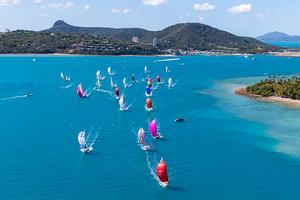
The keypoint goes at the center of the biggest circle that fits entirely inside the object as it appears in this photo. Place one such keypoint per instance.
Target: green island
(277, 86)
(278, 89)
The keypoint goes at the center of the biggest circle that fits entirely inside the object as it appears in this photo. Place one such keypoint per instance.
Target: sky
(241, 17)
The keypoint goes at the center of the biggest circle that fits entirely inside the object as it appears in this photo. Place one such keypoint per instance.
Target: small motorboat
(179, 120)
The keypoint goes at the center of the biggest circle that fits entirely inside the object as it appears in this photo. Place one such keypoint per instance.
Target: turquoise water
(229, 147)
(286, 44)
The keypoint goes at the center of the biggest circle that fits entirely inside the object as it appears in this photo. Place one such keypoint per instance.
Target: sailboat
(170, 83)
(153, 129)
(149, 82)
(162, 173)
(167, 69)
(133, 78)
(125, 84)
(146, 70)
(117, 92)
(99, 77)
(158, 80)
(122, 104)
(148, 91)
(81, 92)
(109, 71)
(64, 77)
(141, 140)
(98, 84)
(84, 148)
(148, 106)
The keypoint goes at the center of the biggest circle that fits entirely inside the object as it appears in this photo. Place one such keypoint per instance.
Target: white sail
(109, 71)
(125, 82)
(167, 69)
(81, 138)
(62, 76)
(121, 103)
(98, 75)
(170, 82)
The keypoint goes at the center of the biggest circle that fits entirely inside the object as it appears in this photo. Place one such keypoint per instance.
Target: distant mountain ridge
(278, 37)
(186, 36)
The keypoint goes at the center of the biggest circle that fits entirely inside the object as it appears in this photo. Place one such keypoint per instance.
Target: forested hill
(185, 36)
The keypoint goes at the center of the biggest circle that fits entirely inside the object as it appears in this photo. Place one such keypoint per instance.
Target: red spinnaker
(161, 171)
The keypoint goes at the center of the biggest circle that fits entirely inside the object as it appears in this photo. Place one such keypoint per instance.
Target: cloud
(86, 7)
(241, 9)
(154, 2)
(122, 11)
(37, 1)
(9, 2)
(63, 6)
(203, 7)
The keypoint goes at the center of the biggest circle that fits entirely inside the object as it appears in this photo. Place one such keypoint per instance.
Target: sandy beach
(273, 99)
(287, 54)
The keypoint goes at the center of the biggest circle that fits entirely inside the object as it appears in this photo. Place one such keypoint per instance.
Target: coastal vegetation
(181, 39)
(188, 37)
(23, 42)
(286, 87)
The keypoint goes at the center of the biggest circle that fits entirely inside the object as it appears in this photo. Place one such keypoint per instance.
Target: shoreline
(83, 55)
(293, 54)
(277, 54)
(128, 55)
(272, 99)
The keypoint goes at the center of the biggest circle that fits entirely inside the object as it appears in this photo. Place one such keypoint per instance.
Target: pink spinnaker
(153, 128)
(80, 91)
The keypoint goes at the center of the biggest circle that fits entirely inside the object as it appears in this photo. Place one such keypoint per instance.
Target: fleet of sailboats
(161, 168)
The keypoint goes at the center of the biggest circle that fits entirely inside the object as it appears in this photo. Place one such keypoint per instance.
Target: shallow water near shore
(229, 147)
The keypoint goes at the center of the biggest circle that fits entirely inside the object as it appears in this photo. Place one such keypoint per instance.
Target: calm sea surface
(229, 147)
(286, 44)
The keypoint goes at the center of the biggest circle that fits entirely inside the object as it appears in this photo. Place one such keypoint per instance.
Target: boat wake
(152, 168)
(93, 136)
(127, 108)
(167, 60)
(14, 97)
(88, 92)
(67, 86)
(104, 91)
